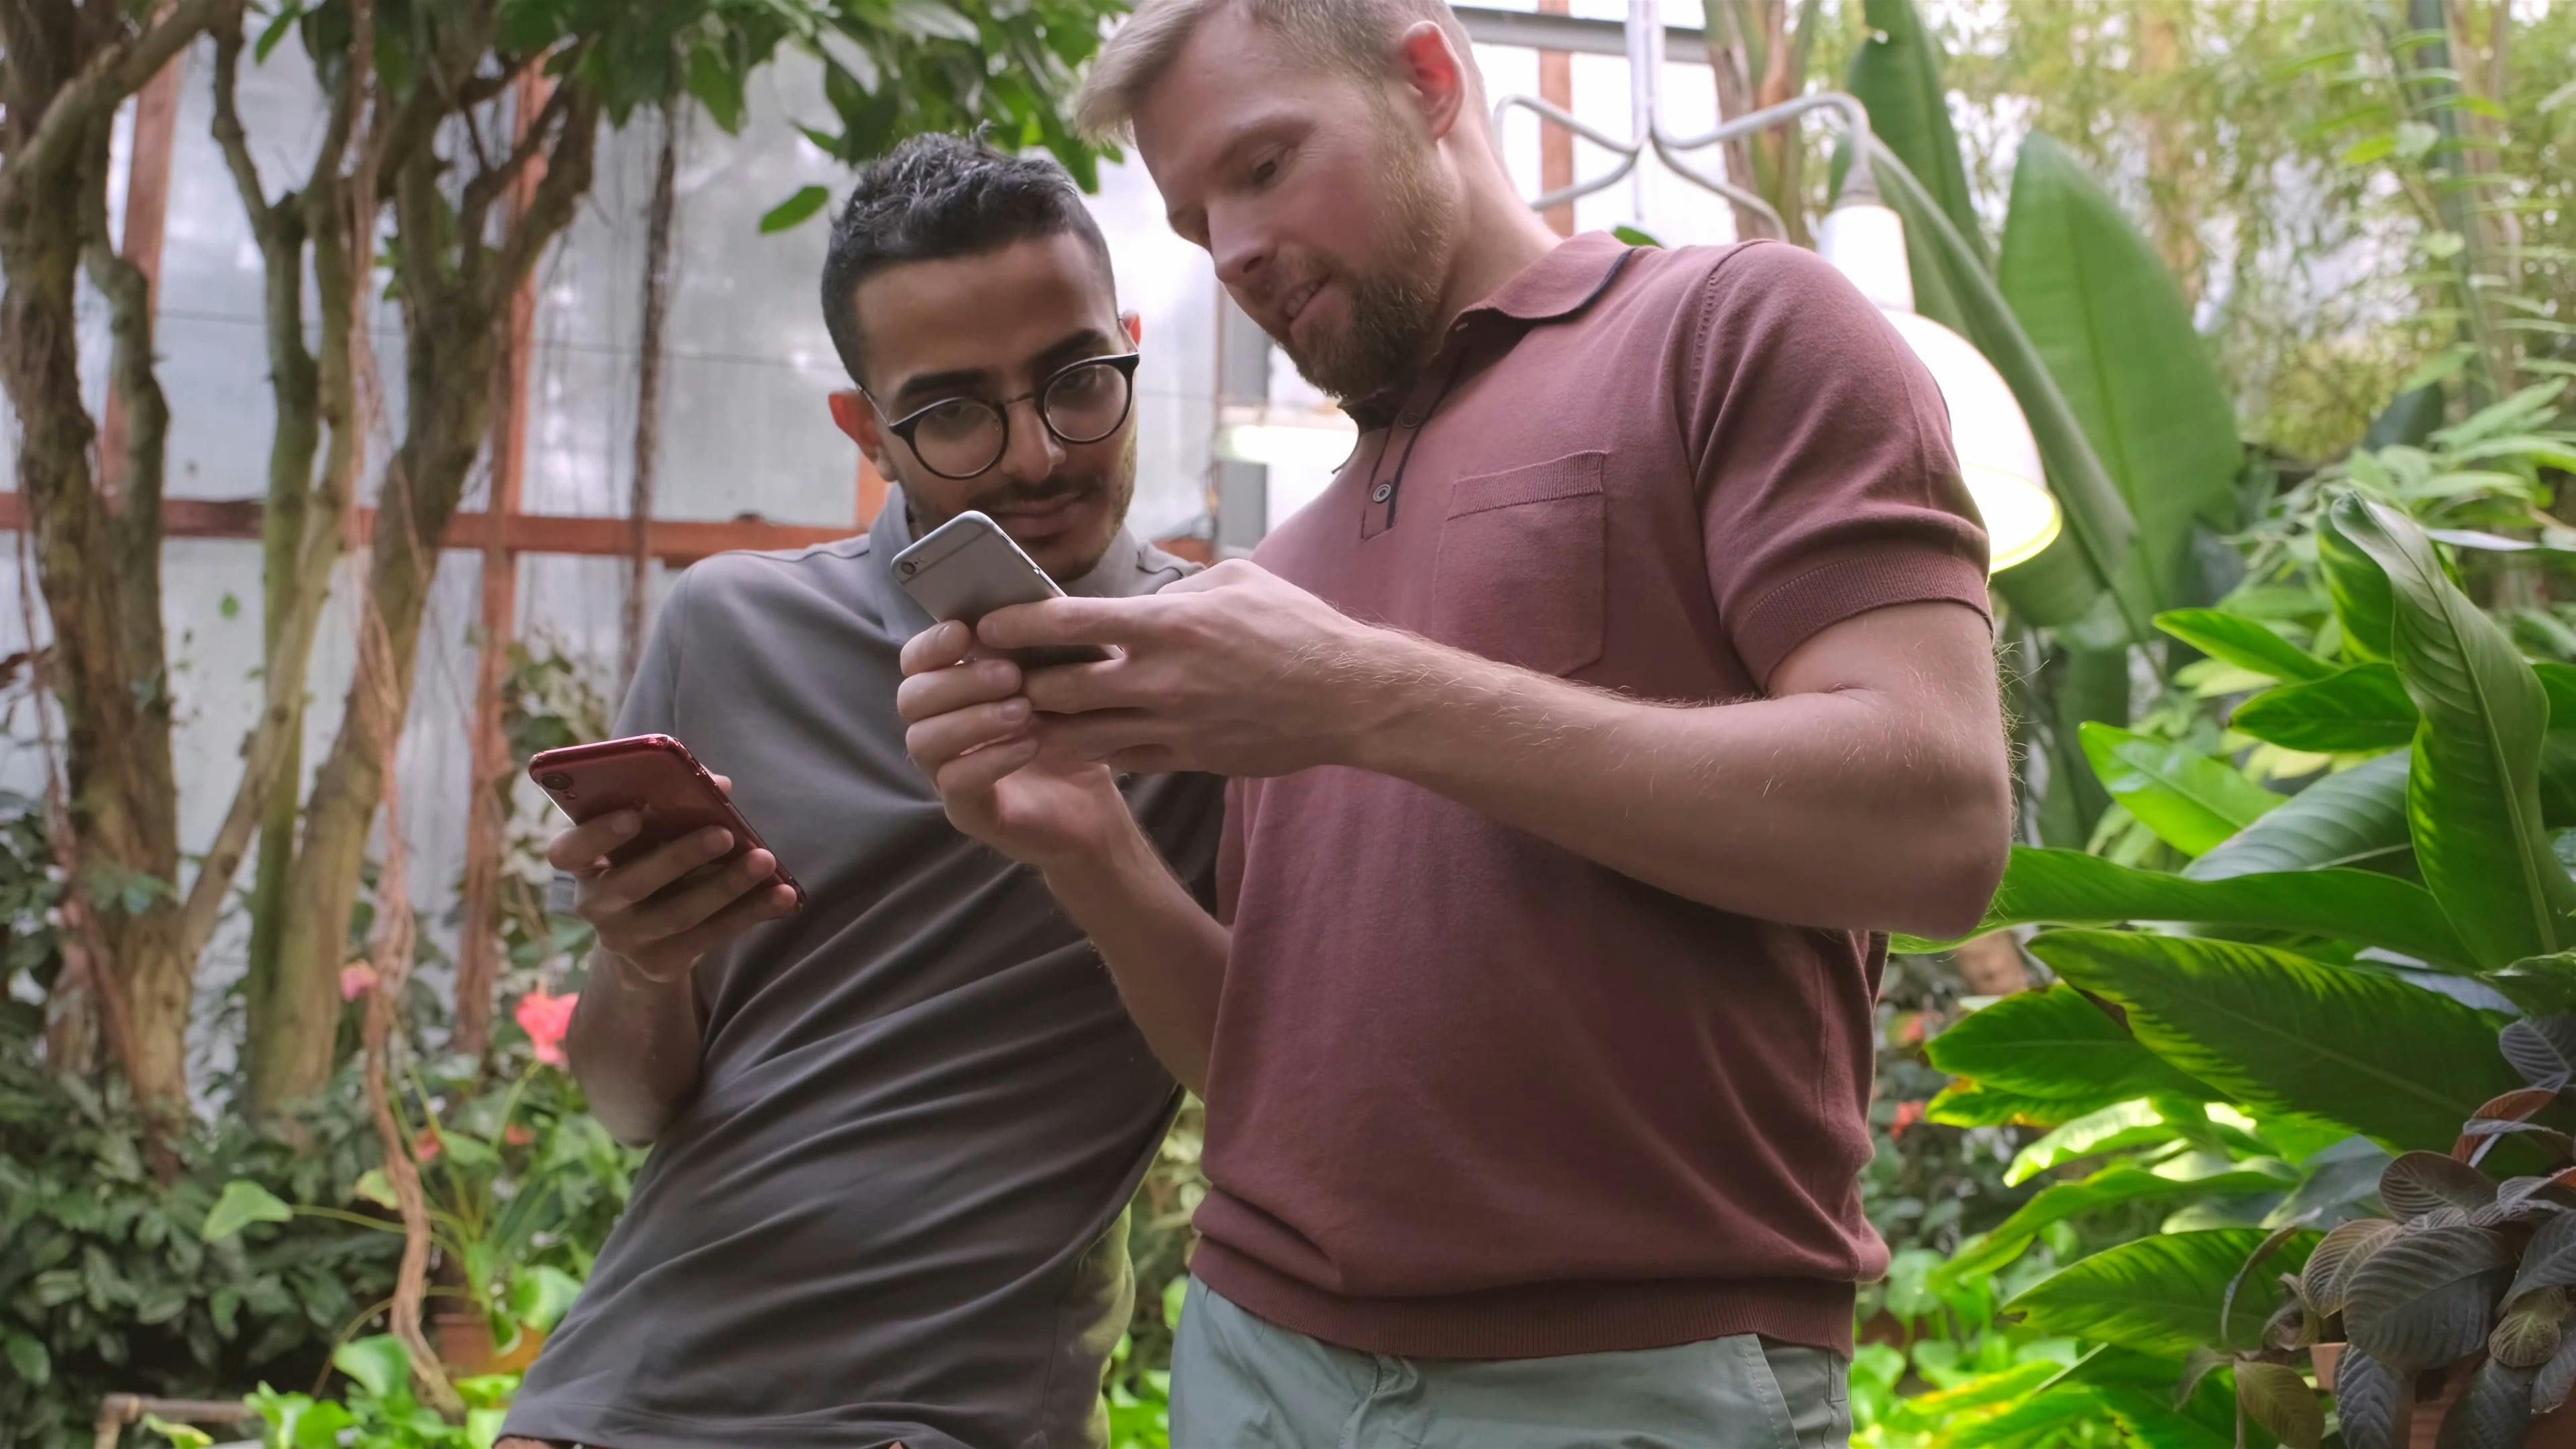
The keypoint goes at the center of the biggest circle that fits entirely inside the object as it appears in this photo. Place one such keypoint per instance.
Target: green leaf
(2353, 819)
(2063, 582)
(542, 1295)
(2415, 138)
(1634, 237)
(933, 21)
(2111, 1187)
(2053, 1043)
(2070, 888)
(795, 209)
(276, 29)
(2364, 708)
(2473, 795)
(230, 608)
(2278, 1033)
(2540, 985)
(2115, 332)
(2439, 367)
(181, 1436)
(2159, 1295)
(2189, 800)
(2370, 148)
(2246, 643)
(373, 1186)
(1896, 73)
(1970, 1104)
(2115, 1128)
(718, 85)
(379, 1363)
(28, 1357)
(2359, 589)
(243, 1203)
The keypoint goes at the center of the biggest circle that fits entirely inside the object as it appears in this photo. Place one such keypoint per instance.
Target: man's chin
(1067, 540)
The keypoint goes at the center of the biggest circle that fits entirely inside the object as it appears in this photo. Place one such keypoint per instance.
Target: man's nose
(1033, 454)
(1242, 257)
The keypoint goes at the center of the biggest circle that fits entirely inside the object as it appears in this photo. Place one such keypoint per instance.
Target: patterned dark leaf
(2556, 1378)
(2549, 1259)
(2291, 1326)
(2524, 1198)
(2282, 1402)
(2199, 1365)
(2527, 1335)
(2427, 1298)
(2372, 1400)
(2492, 1413)
(2423, 1182)
(2542, 1048)
(2329, 1269)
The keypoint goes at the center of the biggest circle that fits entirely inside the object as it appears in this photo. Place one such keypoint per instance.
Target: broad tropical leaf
(2356, 818)
(2279, 1033)
(2060, 585)
(2419, 1182)
(2054, 1044)
(2355, 710)
(2116, 1128)
(1896, 73)
(2494, 1411)
(2473, 796)
(2192, 802)
(2159, 1295)
(2549, 1260)
(2112, 325)
(2282, 1402)
(1974, 1104)
(2110, 1187)
(2330, 1267)
(2540, 985)
(2070, 888)
(2428, 1297)
(2372, 1400)
(379, 1362)
(2243, 642)
(2549, 1390)
(243, 1203)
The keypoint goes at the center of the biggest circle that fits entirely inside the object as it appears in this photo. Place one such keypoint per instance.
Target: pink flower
(424, 1148)
(356, 980)
(517, 1134)
(545, 1019)
(1907, 1114)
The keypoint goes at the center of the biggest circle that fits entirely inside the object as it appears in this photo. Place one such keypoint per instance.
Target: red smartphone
(656, 776)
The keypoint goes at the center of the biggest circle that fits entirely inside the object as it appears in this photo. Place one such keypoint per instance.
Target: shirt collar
(1565, 281)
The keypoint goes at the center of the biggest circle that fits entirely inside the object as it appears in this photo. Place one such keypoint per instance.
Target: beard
(1394, 322)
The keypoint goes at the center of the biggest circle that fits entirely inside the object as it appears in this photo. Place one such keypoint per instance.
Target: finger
(733, 920)
(1143, 760)
(934, 742)
(723, 782)
(923, 696)
(1099, 735)
(1230, 573)
(936, 647)
(576, 848)
(1077, 688)
(1070, 621)
(678, 912)
(966, 780)
(632, 884)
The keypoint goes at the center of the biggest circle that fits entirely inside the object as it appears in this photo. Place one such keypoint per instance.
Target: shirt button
(1411, 419)
(1382, 492)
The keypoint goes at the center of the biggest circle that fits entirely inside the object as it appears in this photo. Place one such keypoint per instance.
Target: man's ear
(854, 417)
(1133, 324)
(1437, 76)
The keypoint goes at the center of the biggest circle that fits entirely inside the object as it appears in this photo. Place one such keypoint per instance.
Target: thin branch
(115, 72)
(566, 181)
(235, 143)
(495, 182)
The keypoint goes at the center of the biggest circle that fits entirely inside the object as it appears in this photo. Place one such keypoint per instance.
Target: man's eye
(1263, 173)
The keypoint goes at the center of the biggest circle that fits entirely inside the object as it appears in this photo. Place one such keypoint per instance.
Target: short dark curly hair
(939, 196)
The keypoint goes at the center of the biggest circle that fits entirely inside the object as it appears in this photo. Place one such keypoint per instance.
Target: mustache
(1036, 495)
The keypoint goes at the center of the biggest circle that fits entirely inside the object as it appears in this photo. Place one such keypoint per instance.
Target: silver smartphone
(968, 567)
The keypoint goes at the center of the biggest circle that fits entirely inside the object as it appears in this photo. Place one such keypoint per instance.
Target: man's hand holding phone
(973, 733)
(664, 910)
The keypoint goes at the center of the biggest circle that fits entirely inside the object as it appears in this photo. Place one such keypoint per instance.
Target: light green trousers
(1239, 1382)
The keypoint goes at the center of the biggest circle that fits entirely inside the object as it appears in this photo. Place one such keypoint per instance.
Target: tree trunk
(658, 223)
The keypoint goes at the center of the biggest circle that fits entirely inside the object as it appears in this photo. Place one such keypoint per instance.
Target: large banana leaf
(2060, 585)
(2279, 1033)
(2071, 888)
(2473, 795)
(1896, 73)
(2356, 818)
(2163, 1295)
(2189, 1180)
(2112, 326)
(2243, 642)
(2055, 1044)
(2359, 588)
(2192, 802)
(2354, 711)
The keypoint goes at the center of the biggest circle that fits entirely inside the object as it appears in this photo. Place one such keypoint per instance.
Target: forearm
(1166, 953)
(634, 1046)
(1840, 810)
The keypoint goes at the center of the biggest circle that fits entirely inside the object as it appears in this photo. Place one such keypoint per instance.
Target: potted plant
(503, 1170)
(2447, 1322)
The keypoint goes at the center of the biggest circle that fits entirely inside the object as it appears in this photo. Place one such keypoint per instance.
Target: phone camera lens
(908, 568)
(558, 782)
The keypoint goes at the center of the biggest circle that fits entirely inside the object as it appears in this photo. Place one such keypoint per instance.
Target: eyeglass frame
(1123, 362)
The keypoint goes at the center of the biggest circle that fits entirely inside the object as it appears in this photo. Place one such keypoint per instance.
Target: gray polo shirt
(893, 1210)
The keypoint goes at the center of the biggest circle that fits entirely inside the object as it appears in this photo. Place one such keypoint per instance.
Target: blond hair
(1354, 37)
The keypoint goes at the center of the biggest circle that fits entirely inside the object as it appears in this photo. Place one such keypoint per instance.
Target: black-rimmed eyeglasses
(963, 437)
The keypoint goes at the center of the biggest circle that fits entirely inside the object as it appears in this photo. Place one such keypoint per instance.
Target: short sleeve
(1821, 445)
(652, 703)
(1229, 855)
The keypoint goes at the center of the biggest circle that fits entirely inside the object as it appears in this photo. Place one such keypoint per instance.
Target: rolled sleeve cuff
(1826, 595)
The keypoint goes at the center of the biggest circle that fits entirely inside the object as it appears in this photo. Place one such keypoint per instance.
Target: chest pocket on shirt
(1522, 554)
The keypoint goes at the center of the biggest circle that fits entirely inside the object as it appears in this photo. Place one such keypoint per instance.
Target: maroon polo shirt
(1473, 1095)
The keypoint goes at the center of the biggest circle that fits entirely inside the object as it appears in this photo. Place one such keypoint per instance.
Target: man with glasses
(893, 1131)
